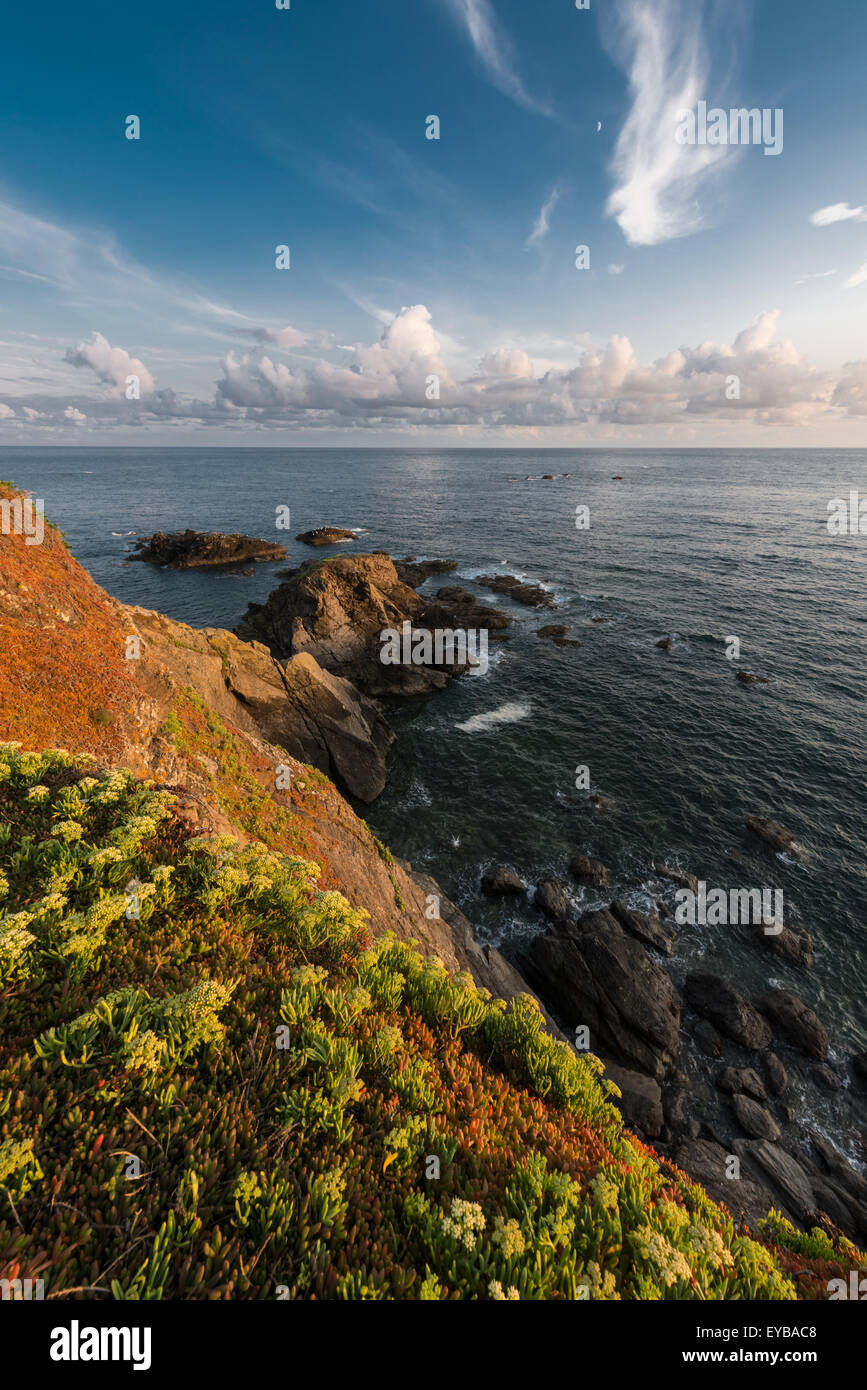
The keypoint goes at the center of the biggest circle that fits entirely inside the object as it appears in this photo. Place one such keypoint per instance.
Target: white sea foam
(506, 714)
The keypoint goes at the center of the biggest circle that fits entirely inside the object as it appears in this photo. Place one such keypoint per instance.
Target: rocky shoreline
(711, 1079)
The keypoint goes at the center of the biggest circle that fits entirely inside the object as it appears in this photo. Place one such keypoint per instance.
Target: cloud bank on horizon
(558, 137)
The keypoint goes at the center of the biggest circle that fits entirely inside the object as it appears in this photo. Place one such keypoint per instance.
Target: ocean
(699, 545)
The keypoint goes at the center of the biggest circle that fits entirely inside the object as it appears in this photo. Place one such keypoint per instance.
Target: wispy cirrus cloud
(496, 52)
(837, 212)
(662, 46)
(857, 278)
(542, 224)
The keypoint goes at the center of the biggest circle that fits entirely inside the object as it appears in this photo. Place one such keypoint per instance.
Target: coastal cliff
(294, 1035)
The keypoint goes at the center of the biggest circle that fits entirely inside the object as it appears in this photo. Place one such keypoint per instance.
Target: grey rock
(593, 973)
(742, 1081)
(754, 1120)
(641, 1099)
(715, 999)
(778, 1077)
(552, 899)
(501, 881)
(645, 928)
(796, 1021)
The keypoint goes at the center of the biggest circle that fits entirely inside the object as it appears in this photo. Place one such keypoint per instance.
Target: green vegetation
(213, 1084)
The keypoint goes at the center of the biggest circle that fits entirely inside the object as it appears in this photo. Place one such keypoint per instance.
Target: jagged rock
(792, 944)
(772, 834)
(826, 1078)
(339, 609)
(842, 1172)
(593, 973)
(645, 928)
(553, 899)
(414, 572)
(588, 870)
(782, 1171)
(489, 968)
(325, 535)
(707, 1162)
(754, 1120)
(796, 1021)
(859, 1067)
(500, 881)
(683, 880)
(715, 999)
(742, 1081)
(778, 1077)
(453, 593)
(533, 595)
(707, 1038)
(557, 633)
(641, 1099)
(184, 550)
(335, 728)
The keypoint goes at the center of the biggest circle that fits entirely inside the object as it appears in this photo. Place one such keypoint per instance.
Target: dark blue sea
(699, 545)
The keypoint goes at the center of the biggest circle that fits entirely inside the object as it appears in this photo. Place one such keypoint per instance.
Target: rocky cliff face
(215, 717)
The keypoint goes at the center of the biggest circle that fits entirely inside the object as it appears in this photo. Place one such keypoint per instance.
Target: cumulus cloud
(393, 372)
(6, 411)
(837, 212)
(542, 224)
(850, 393)
(507, 362)
(403, 381)
(387, 381)
(661, 45)
(112, 365)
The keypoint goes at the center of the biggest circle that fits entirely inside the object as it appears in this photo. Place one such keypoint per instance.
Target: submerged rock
(325, 535)
(501, 881)
(588, 870)
(749, 678)
(533, 595)
(414, 572)
(184, 550)
(772, 834)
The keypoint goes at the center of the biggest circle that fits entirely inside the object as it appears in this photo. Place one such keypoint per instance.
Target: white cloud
(837, 212)
(616, 269)
(495, 51)
(112, 365)
(858, 278)
(6, 411)
(385, 385)
(660, 43)
(851, 391)
(506, 362)
(542, 224)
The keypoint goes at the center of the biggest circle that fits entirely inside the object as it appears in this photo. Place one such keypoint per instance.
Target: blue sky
(414, 260)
